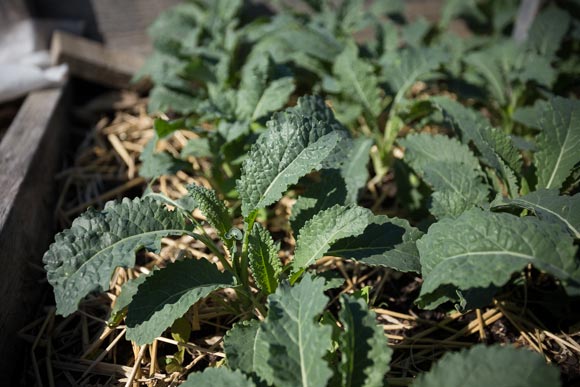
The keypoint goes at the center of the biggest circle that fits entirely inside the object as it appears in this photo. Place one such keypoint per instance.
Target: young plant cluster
(492, 194)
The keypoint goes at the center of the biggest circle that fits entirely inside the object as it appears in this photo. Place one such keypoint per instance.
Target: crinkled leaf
(295, 143)
(457, 188)
(487, 65)
(354, 169)
(168, 293)
(422, 150)
(325, 228)
(83, 258)
(264, 261)
(558, 142)
(357, 78)
(473, 126)
(530, 115)
(482, 366)
(365, 354)
(274, 97)
(496, 147)
(466, 122)
(481, 248)
(319, 196)
(155, 164)
(547, 31)
(239, 346)
(257, 95)
(213, 377)
(539, 70)
(293, 344)
(388, 242)
(401, 69)
(350, 157)
(502, 155)
(212, 208)
(548, 205)
(450, 168)
(163, 99)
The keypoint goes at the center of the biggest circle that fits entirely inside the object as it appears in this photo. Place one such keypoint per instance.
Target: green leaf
(350, 157)
(197, 147)
(212, 208)
(549, 206)
(158, 164)
(293, 343)
(128, 290)
(325, 228)
(164, 128)
(414, 33)
(239, 346)
(357, 79)
(486, 64)
(466, 122)
(213, 377)
(422, 150)
(83, 258)
(503, 156)
(257, 96)
(164, 99)
(457, 8)
(547, 31)
(365, 354)
(354, 168)
(295, 144)
(319, 196)
(482, 366)
(264, 261)
(401, 69)
(457, 188)
(450, 168)
(496, 147)
(558, 142)
(388, 242)
(168, 293)
(530, 115)
(274, 97)
(480, 248)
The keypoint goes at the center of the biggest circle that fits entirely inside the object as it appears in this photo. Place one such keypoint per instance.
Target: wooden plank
(30, 155)
(93, 61)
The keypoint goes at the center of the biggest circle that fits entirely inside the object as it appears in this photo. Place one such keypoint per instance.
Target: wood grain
(95, 62)
(30, 154)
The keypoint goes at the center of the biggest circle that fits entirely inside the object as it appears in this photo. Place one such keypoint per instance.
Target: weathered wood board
(30, 154)
(94, 61)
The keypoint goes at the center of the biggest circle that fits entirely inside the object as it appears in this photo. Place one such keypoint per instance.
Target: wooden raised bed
(30, 154)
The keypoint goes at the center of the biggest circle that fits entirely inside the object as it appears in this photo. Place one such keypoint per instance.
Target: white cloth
(25, 62)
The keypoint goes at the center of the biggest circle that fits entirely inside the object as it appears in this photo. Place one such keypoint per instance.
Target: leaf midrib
(177, 295)
(127, 240)
(564, 220)
(282, 173)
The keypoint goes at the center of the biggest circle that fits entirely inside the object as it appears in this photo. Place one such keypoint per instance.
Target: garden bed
(442, 167)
